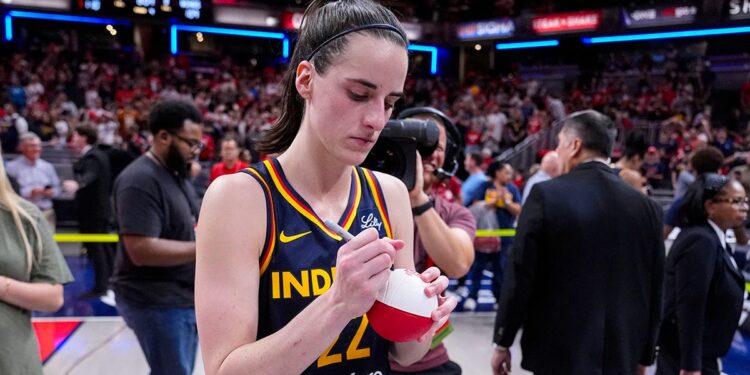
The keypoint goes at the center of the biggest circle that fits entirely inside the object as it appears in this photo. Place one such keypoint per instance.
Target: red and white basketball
(402, 312)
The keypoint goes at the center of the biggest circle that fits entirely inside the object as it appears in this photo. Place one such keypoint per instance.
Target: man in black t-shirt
(156, 210)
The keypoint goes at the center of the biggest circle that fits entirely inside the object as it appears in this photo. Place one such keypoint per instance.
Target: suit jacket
(703, 298)
(94, 176)
(585, 276)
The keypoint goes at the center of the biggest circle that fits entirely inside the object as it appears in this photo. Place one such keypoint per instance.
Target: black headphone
(454, 145)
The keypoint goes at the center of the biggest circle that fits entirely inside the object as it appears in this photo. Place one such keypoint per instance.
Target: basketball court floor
(87, 337)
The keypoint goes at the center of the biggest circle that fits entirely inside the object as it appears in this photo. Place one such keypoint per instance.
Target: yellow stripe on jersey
(355, 206)
(308, 213)
(378, 197)
(267, 253)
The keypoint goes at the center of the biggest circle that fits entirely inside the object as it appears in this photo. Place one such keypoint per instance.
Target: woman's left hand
(437, 286)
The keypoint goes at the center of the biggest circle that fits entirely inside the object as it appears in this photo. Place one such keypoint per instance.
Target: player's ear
(303, 82)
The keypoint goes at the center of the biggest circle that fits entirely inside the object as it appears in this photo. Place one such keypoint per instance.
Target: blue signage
(502, 28)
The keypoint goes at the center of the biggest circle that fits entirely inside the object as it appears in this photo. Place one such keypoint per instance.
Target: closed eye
(357, 97)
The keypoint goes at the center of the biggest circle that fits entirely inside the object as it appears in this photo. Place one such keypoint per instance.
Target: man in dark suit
(93, 189)
(587, 266)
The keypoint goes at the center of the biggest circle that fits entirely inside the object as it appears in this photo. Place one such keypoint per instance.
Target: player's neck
(315, 175)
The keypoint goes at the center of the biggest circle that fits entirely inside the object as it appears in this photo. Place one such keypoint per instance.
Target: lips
(363, 142)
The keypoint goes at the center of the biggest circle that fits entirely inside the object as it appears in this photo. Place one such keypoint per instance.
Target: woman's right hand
(363, 266)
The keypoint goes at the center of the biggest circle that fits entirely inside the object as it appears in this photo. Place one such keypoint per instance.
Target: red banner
(565, 22)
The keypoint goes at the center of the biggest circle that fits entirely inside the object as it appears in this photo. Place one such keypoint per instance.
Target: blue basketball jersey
(298, 263)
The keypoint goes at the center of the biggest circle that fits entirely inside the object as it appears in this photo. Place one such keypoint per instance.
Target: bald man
(550, 168)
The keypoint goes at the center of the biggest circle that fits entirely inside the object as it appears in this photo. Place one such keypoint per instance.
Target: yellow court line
(76, 237)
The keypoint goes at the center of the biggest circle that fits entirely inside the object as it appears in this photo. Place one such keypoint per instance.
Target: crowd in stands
(662, 107)
(55, 89)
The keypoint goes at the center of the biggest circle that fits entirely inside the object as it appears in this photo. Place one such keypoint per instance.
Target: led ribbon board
(228, 31)
(522, 45)
(666, 35)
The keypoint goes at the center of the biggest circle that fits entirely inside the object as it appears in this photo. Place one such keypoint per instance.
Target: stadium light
(433, 54)
(666, 35)
(521, 45)
(54, 17)
(227, 31)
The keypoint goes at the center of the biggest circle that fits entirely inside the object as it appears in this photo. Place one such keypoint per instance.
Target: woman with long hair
(704, 288)
(32, 271)
(277, 291)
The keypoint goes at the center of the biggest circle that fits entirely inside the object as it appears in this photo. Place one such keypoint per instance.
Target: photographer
(444, 231)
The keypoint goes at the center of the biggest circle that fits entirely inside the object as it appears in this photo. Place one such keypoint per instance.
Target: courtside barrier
(113, 237)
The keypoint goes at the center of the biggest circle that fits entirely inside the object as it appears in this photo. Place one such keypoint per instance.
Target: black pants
(668, 363)
(448, 368)
(481, 262)
(101, 255)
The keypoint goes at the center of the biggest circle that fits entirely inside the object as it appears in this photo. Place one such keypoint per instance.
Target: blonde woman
(32, 272)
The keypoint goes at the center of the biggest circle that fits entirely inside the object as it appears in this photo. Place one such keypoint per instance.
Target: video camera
(394, 152)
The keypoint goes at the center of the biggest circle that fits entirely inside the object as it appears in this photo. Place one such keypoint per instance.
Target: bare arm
(513, 207)
(31, 296)
(231, 234)
(450, 248)
(158, 252)
(397, 200)
(43, 291)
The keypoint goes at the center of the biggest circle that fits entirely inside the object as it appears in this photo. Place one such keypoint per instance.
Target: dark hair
(477, 157)
(692, 211)
(230, 139)
(635, 145)
(596, 131)
(495, 166)
(89, 133)
(707, 160)
(321, 21)
(170, 115)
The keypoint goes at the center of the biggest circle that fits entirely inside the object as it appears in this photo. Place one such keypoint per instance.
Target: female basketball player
(277, 292)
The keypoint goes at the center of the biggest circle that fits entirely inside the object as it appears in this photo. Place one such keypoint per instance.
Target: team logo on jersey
(370, 221)
(287, 239)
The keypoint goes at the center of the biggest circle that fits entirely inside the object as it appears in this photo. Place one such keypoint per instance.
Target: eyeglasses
(736, 201)
(194, 145)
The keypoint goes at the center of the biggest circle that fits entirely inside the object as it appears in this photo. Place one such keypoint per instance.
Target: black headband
(383, 26)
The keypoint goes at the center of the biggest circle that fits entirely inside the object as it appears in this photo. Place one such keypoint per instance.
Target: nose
(374, 117)
(431, 157)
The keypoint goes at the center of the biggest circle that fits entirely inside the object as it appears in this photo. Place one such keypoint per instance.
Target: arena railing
(523, 155)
